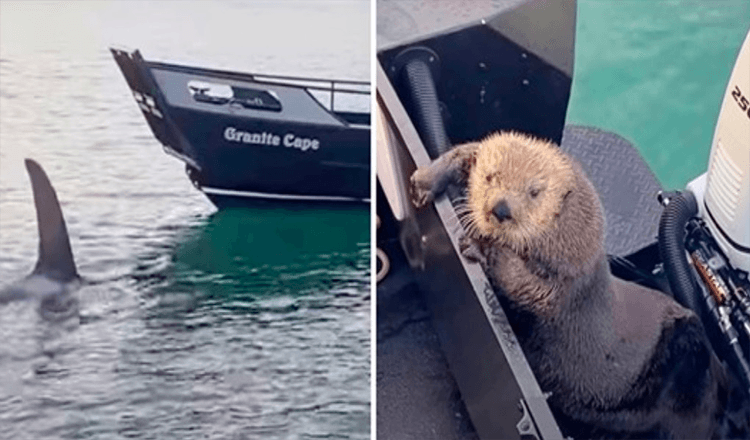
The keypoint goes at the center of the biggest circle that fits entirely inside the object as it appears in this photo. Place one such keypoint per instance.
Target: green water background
(655, 72)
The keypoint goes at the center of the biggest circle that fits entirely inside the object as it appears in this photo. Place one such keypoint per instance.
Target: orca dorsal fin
(55, 256)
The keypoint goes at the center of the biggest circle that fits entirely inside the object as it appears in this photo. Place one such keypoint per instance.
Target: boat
(449, 74)
(252, 139)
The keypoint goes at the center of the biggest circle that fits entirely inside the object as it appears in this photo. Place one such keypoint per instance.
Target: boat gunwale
(240, 76)
(261, 77)
(314, 125)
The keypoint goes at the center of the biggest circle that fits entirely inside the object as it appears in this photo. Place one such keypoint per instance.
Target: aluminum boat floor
(626, 186)
(417, 396)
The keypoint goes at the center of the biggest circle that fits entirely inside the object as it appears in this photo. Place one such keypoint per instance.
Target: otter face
(516, 189)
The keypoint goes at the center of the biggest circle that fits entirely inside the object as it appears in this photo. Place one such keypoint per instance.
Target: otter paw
(469, 250)
(504, 257)
(421, 187)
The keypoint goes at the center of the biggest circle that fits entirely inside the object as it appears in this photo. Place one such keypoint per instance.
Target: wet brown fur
(614, 354)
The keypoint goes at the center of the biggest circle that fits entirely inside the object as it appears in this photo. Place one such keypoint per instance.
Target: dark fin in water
(55, 257)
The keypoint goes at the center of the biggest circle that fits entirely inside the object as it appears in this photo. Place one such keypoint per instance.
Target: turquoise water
(655, 72)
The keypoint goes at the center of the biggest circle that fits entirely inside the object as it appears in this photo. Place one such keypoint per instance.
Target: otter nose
(501, 211)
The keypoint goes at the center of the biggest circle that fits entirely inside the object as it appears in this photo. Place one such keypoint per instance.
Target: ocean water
(193, 323)
(655, 72)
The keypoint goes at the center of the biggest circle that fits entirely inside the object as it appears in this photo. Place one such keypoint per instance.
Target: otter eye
(536, 188)
(489, 178)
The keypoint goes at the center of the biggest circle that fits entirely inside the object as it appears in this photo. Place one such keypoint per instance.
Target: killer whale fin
(55, 256)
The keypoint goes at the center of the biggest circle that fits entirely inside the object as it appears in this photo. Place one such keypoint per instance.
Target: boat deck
(417, 396)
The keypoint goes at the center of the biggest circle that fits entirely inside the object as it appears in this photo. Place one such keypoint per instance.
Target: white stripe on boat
(172, 152)
(231, 192)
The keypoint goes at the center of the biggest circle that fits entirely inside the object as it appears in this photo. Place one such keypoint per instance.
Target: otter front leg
(521, 285)
(471, 251)
(451, 167)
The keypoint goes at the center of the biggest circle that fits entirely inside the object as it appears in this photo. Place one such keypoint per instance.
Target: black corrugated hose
(680, 208)
(678, 211)
(425, 107)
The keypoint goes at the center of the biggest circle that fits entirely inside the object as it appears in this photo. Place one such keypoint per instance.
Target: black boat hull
(252, 140)
(335, 171)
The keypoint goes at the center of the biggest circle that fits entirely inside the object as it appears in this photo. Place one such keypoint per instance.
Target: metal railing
(331, 87)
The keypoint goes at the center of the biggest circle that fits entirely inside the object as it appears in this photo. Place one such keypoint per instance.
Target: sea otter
(619, 359)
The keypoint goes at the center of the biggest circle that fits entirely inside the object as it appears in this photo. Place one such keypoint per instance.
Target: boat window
(352, 99)
(208, 92)
(256, 99)
(220, 94)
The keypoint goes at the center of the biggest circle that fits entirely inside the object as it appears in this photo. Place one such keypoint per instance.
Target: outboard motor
(704, 232)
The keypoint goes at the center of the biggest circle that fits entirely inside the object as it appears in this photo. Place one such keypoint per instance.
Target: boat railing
(344, 97)
(346, 93)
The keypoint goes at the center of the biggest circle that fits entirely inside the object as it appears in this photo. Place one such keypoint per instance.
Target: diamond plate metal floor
(626, 186)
